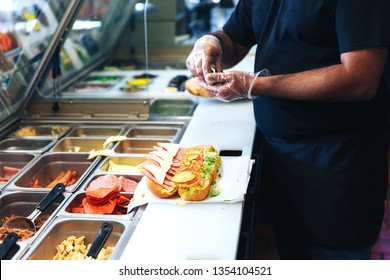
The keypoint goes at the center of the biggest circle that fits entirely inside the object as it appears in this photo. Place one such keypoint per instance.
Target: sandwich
(186, 172)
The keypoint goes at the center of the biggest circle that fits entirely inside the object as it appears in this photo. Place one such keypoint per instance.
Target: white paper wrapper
(232, 184)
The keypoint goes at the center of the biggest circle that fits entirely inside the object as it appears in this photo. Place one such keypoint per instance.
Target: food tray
(121, 162)
(175, 107)
(78, 145)
(24, 203)
(19, 161)
(55, 131)
(153, 132)
(138, 145)
(77, 198)
(24, 145)
(87, 131)
(61, 228)
(50, 165)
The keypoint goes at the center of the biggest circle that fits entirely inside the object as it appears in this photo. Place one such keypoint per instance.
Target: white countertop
(198, 231)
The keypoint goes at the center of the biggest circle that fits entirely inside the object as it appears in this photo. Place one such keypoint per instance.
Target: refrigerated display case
(63, 95)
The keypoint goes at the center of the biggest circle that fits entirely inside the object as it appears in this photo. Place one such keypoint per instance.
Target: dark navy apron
(329, 192)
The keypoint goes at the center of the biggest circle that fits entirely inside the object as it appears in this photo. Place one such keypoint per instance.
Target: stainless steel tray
(95, 130)
(26, 145)
(61, 228)
(78, 144)
(23, 204)
(169, 107)
(47, 167)
(138, 145)
(76, 199)
(121, 163)
(161, 132)
(41, 130)
(20, 161)
(171, 129)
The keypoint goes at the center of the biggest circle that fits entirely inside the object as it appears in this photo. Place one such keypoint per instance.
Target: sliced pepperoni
(102, 195)
(78, 210)
(122, 201)
(106, 208)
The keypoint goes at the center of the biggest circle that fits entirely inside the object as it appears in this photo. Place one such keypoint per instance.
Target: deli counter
(65, 102)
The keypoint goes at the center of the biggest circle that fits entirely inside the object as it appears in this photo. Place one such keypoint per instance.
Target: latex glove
(232, 85)
(205, 57)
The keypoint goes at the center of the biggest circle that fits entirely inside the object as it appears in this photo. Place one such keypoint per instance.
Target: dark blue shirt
(298, 35)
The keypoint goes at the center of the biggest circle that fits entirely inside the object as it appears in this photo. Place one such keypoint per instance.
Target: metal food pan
(87, 131)
(138, 145)
(19, 161)
(78, 145)
(152, 132)
(122, 163)
(45, 248)
(76, 201)
(56, 131)
(50, 166)
(181, 107)
(24, 145)
(24, 203)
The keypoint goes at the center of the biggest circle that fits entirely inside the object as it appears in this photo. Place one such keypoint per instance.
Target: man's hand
(205, 57)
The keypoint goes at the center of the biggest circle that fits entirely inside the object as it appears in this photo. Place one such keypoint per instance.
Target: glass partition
(96, 29)
(27, 29)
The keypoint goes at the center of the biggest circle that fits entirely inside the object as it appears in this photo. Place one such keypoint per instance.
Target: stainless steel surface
(86, 131)
(50, 165)
(61, 228)
(138, 145)
(78, 145)
(24, 145)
